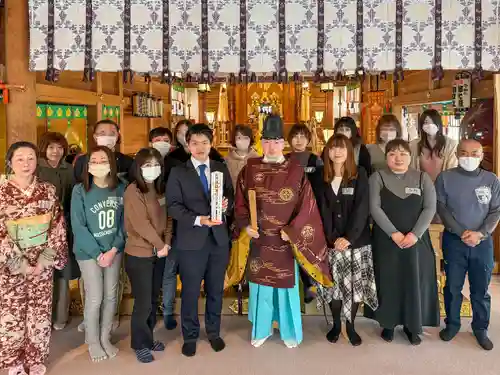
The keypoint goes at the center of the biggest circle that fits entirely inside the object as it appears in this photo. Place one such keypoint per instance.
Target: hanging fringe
(437, 73)
(478, 74)
(397, 75)
(166, 77)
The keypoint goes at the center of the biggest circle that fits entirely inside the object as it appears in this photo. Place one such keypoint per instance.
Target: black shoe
(158, 346)
(413, 338)
(483, 340)
(189, 349)
(217, 344)
(387, 334)
(309, 295)
(353, 336)
(448, 333)
(334, 334)
(170, 322)
(144, 355)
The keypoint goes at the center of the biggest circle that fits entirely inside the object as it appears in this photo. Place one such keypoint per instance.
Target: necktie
(203, 178)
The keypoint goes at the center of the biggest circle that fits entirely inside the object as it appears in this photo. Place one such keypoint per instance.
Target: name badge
(348, 191)
(310, 169)
(162, 201)
(415, 191)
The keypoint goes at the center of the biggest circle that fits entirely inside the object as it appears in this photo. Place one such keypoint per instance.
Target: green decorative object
(110, 112)
(178, 88)
(59, 111)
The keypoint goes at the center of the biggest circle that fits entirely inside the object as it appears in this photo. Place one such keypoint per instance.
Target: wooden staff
(252, 199)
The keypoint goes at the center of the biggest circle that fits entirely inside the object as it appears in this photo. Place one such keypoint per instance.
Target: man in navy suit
(202, 245)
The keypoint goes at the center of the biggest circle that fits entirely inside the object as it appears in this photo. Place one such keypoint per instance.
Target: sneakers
(217, 344)
(170, 322)
(483, 340)
(144, 355)
(449, 333)
(189, 349)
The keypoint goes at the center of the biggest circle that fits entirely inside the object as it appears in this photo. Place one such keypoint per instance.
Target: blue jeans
(169, 283)
(460, 259)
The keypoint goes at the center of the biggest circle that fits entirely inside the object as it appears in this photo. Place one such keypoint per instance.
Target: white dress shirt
(196, 164)
(336, 182)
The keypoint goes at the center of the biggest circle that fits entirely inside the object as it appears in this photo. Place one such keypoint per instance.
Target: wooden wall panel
(240, 105)
(21, 111)
(3, 137)
(136, 130)
(418, 88)
(208, 102)
(67, 79)
(319, 102)
(2, 36)
(110, 83)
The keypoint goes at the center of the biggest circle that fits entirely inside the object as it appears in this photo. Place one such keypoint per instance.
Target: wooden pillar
(496, 155)
(3, 121)
(151, 123)
(329, 118)
(21, 111)
(241, 115)
(122, 111)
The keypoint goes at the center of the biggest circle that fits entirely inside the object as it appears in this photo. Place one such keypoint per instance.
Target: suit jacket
(346, 213)
(186, 200)
(180, 156)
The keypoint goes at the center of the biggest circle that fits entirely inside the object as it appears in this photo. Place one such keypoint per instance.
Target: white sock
(290, 344)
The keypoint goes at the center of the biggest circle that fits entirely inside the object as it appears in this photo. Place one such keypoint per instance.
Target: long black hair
(348, 122)
(13, 148)
(440, 138)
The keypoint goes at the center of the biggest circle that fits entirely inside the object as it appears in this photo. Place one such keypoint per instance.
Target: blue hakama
(282, 305)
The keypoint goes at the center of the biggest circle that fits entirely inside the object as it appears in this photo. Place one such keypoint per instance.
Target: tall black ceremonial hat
(272, 128)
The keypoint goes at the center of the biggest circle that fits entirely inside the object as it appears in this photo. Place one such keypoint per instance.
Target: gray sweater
(402, 186)
(468, 200)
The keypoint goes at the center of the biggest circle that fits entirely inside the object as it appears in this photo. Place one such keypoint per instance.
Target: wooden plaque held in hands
(216, 184)
(252, 200)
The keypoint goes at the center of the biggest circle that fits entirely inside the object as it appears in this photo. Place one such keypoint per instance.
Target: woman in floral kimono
(32, 243)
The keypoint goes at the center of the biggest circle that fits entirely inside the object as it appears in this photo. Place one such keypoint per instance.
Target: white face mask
(151, 173)
(388, 135)
(99, 170)
(162, 147)
(468, 163)
(242, 144)
(108, 141)
(430, 129)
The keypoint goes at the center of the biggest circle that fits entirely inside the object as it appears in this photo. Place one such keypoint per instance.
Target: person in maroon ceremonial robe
(289, 234)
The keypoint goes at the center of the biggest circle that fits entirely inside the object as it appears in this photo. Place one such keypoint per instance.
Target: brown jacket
(146, 222)
(235, 163)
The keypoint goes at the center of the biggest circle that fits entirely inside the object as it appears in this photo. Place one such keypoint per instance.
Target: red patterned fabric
(26, 300)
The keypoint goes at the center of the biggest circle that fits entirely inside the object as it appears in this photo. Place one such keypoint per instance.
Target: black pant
(209, 264)
(146, 276)
(478, 263)
(306, 279)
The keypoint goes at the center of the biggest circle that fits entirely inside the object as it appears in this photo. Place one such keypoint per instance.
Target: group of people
(351, 226)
